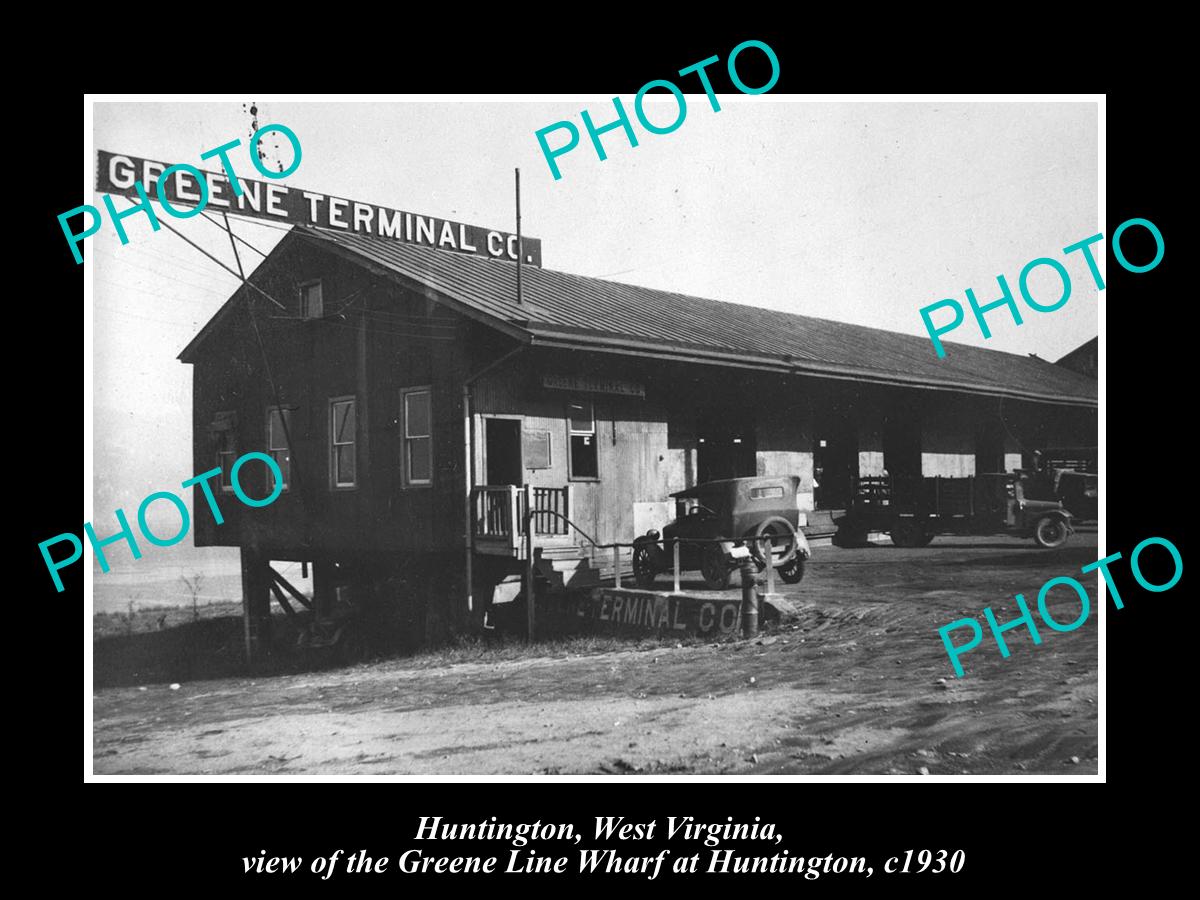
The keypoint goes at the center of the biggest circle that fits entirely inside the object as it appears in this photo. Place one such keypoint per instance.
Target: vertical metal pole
(530, 522)
(470, 502)
(770, 558)
(529, 599)
(520, 248)
(749, 600)
(616, 566)
(676, 565)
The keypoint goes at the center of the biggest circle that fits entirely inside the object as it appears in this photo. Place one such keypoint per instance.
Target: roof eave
(440, 296)
(189, 353)
(605, 344)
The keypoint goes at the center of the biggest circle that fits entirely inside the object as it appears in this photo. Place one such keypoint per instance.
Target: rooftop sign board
(118, 173)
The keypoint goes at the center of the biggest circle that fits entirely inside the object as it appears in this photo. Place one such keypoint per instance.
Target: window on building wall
(418, 436)
(342, 457)
(224, 433)
(581, 423)
(311, 301)
(279, 427)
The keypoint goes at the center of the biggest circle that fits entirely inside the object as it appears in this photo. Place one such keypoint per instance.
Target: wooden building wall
(387, 339)
(638, 464)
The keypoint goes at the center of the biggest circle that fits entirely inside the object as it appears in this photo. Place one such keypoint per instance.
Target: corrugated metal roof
(561, 308)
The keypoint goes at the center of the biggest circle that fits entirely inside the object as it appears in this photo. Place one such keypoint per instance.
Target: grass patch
(507, 648)
(138, 619)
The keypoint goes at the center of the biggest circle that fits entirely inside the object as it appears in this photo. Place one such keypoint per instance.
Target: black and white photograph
(687, 435)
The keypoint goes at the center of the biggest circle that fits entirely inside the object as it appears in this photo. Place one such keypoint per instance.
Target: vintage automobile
(1079, 492)
(716, 518)
(1073, 471)
(915, 509)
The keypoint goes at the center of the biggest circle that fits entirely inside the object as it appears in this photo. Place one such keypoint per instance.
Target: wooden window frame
(333, 473)
(549, 450)
(571, 432)
(226, 480)
(304, 313)
(406, 479)
(283, 410)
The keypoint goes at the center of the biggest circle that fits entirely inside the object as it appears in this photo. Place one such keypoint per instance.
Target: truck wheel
(714, 568)
(793, 571)
(1050, 532)
(851, 536)
(907, 533)
(644, 570)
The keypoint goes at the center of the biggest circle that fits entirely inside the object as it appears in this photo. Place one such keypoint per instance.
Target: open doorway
(902, 445)
(835, 463)
(989, 447)
(725, 450)
(502, 451)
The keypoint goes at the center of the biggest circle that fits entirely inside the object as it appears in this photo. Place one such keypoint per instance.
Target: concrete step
(825, 516)
(570, 552)
(820, 523)
(564, 573)
(563, 564)
(583, 577)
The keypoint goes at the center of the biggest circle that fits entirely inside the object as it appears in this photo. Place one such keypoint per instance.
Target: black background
(1018, 835)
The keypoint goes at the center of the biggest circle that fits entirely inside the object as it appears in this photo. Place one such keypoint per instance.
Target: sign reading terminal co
(119, 173)
(620, 609)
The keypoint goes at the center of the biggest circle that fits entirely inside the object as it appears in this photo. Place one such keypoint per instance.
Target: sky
(858, 212)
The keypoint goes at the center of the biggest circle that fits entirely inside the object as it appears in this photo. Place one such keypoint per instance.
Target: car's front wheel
(714, 568)
(794, 570)
(1050, 532)
(644, 570)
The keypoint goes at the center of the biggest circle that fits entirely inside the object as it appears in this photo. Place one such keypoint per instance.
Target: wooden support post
(324, 588)
(287, 607)
(283, 582)
(676, 551)
(247, 558)
(514, 518)
(256, 603)
(770, 559)
(616, 566)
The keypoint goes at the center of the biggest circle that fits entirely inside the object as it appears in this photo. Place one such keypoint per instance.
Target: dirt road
(859, 684)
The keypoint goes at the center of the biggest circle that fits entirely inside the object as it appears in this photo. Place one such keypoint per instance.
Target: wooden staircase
(566, 567)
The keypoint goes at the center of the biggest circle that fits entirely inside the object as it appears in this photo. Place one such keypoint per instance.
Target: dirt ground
(859, 683)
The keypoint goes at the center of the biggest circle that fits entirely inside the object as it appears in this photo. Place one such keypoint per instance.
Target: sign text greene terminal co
(184, 190)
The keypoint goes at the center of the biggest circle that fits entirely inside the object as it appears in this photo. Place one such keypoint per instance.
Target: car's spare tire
(782, 535)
